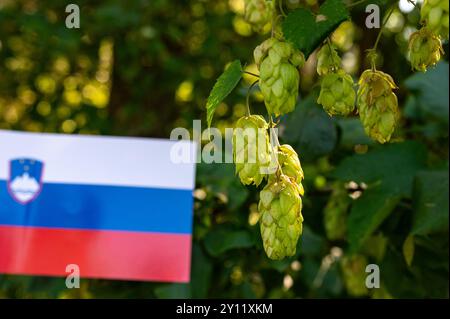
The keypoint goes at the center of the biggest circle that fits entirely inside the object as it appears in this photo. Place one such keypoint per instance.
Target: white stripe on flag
(99, 160)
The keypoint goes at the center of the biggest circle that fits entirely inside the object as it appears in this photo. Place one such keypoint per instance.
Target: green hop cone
(337, 94)
(281, 220)
(290, 166)
(354, 274)
(335, 213)
(258, 13)
(279, 77)
(377, 105)
(328, 60)
(425, 49)
(251, 149)
(434, 14)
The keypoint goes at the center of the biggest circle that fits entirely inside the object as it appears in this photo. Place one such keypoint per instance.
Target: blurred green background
(142, 68)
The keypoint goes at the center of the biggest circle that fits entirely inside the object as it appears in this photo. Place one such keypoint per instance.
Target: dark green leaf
(300, 26)
(352, 133)
(222, 239)
(394, 165)
(431, 89)
(173, 291)
(223, 86)
(310, 129)
(431, 208)
(368, 212)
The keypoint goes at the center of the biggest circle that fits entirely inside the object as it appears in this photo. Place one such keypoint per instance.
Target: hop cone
(434, 14)
(280, 206)
(335, 213)
(354, 274)
(251, 149)
(290, 166)
(279, 77)
(377, 105)
(425, 49)
(258, 13)
(327, 60)
(337, 95)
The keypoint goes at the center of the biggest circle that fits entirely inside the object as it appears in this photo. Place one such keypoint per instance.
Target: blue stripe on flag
(101, 208)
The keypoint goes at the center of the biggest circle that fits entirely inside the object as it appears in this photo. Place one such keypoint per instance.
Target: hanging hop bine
(435, 15)
(258, 13)
(251, 149)
(425, 49)
(278, 63)
(280, 206)
(377, 104)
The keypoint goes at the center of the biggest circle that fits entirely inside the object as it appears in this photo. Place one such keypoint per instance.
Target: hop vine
(259, 158)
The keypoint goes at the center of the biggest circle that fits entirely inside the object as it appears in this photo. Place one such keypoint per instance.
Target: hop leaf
(425, 49)
(251, 149)
(280, 206)
(377, 105)
(435, 15)
(279, 77)
(337, 95)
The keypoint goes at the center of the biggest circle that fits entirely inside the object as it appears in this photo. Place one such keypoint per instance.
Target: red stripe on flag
(99, 254)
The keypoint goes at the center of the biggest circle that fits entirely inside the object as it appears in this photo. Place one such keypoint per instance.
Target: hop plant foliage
(337, 94)
(259, 14)
(335, 212)
(435, 15)
(279, 77)
(328, 60)
(354, 273)
(280, 207)
(425, 49)
(377, 104)
(251, 149)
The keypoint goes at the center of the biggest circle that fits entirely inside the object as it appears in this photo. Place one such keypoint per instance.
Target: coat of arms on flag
(25, 179)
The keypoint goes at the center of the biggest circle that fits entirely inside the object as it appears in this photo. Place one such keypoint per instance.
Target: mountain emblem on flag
(25, 179)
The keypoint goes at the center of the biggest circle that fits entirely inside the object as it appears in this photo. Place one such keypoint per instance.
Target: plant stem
(248, 97)
(250, 73)
(372, 52)
(382, 28)
(280, 6)
(335, 65)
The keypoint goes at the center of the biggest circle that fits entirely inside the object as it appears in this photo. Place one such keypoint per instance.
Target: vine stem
(248, 97)
(413, 3)
(335, 66)
(374, 48)
(280, 6)
(250, 73)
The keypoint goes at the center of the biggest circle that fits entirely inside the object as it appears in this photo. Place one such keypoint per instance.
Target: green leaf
(173, 291)
(223, 239)
(223, 86)
(201, 273)
(310, 129)
(368, 212)
(221, 178)
(431, 90)
(307, 32)
(408, 249)
(393, 165)
(352, 133)
(431, 202)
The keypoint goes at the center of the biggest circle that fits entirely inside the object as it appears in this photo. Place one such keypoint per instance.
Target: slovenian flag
(119, 208)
